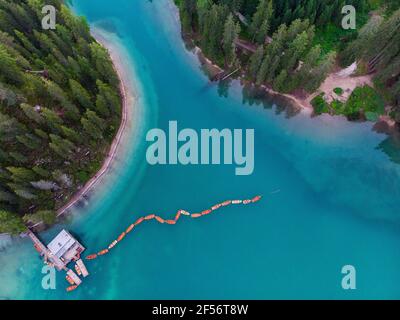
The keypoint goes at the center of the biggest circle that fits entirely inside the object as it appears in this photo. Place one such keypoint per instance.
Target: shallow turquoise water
(338, 201)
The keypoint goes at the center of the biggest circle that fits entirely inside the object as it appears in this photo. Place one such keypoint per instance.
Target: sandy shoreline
(116, 142)
(304, 103)
(126, 95)
(300, 103)
(214, 69)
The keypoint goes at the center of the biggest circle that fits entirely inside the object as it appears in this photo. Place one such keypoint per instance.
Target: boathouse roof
(61, 243)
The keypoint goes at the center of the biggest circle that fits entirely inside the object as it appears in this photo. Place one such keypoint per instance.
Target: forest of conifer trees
(299, 42)
(60, 108)
(60, 104)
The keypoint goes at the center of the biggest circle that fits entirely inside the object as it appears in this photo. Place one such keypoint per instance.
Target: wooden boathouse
(61, 251)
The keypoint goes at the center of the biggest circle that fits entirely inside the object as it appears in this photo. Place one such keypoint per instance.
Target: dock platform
(61, 251)
(74, 277)
(46, 253)
(82, 267)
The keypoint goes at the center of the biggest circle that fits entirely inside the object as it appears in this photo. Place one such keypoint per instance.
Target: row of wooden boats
(169, 221)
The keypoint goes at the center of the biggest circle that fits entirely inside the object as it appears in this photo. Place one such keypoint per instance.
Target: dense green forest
(295, 44)
(60, 107)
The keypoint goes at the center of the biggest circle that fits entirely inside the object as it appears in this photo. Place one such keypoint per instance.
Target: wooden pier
(62, 250)
(49, 258)
(223, 75)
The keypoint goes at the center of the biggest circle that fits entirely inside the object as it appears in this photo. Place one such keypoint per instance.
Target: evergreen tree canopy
(51, 83)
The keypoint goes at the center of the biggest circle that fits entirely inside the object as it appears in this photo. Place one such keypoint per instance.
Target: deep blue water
(338, 201)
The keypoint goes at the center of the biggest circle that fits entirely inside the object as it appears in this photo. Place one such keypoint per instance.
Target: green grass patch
(366, 100)
(338, 91)
(319, 104)
(332, 38)
(338, 106)
(363, 101)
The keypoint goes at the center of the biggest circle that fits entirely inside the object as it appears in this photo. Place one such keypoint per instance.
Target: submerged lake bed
(330, 195)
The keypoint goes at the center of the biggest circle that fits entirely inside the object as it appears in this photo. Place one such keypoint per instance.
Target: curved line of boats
(73, 286)
(169, 222)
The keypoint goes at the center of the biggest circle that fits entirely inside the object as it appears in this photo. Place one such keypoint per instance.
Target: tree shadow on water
(253, 95)
(391, 145)
(223, 88)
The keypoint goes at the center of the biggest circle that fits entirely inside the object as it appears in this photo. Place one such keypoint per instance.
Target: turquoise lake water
(338, 203)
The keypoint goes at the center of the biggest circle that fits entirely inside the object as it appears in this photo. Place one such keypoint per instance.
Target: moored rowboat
(159, 219)
(139, 221)
(69, 279)
(78, 270)
(113, 244)
(71, 288)
(121, 236)
(185, 213)
(103, 252)
(130, 228)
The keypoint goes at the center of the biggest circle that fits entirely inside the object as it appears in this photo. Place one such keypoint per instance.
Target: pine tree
(9, 128)
(31, 113)
(71, 134)
(214, 30)
(41, 172)
(93, 125)
(58, 96)
(188, 9)
(357, 48)
(264, 70)
(255, 62)
(20, 174)
(103, 64)
(279, 82)
(9, 71)
(11, 223)
(319, 73)
(53, 120)
(46, 216)
(63, 147)
(231, 32)
(81, 95)
(30, 141)
(311, 60)
(295, 51)
(261, 21)
(107, 101)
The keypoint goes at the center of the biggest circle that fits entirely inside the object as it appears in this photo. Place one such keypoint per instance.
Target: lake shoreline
(126, 93)
(385, 122)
